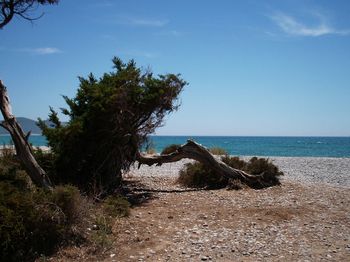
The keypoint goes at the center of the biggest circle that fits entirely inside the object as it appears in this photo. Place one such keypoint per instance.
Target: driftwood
(22, 146)
(197, 152)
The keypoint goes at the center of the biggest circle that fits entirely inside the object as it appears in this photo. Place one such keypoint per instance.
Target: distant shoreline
(30, 134)
(334, 147)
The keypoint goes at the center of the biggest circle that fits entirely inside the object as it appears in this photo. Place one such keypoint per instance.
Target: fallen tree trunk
(20, 140)
(193, 150)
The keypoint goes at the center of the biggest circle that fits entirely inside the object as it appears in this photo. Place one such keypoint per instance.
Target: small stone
(95, 227)
(112, 255)
(204, 258)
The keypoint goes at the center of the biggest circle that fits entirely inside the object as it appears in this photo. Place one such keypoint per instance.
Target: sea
(247, 145)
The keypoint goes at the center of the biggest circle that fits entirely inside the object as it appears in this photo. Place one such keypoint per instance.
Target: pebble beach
(307, 218)
(327, 170)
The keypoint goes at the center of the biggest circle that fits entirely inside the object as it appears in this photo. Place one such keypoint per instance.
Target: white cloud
(40, 50)
(293, 27)
(134, 21)
(46, 50)
(148, 22)
(174, 33)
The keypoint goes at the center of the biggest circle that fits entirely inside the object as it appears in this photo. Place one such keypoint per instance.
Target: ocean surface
(248, 146)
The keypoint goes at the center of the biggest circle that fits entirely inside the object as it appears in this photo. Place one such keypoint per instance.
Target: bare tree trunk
(23, 148)
(197, 152)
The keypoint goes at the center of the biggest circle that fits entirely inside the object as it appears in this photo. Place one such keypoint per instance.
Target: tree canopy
(21, 8)
(109, 120)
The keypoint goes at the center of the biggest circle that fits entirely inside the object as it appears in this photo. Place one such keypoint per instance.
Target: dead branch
(193, 150)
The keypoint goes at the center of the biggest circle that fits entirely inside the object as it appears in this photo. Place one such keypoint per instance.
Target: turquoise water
(267, 146)
(35, 140)
(250, 146)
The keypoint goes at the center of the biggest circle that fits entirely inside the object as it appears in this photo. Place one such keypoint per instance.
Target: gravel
(331, 171)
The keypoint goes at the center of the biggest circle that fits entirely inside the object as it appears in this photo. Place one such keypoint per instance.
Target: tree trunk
(23, 148)
(197, 152)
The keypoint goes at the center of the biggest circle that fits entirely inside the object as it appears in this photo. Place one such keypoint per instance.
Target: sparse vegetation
(116, 206)
(170, 149)
(101, 232)
(151, 151)
(219, 151)
(197, 175)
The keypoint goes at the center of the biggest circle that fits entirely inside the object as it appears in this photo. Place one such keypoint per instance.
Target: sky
(254, 68)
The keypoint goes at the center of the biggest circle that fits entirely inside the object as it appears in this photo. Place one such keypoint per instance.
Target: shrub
(116, 206)
(218, 151)
(46, 159)
(170, 149)
(109, 120)
(263, 166)
(8, 161)
(234, 162)
(68, 199)
(198, 175)
(34, 222)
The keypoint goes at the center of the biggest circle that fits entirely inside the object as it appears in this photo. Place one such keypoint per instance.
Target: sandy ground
(307, 218)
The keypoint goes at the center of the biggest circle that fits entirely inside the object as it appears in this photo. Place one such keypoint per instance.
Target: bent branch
(193, 150)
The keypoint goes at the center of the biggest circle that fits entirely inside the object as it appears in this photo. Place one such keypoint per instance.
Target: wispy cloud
(148, 22)
(296, 28)
(174, 33)
(46, 50)
(41, 50)
(145, 22)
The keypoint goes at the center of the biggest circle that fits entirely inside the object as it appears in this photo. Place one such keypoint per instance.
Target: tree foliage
(21, 8)
(109, 120)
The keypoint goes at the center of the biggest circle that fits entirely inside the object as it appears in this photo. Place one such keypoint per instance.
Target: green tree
(109, 120)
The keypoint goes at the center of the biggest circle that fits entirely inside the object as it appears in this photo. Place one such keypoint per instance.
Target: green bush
(68, 199)
(218, 151)
(170, 149)
(32, 221)
(197, 175)
(234, 162)
(263, 166)
(116, 206)
(46, 159)
(101, 234)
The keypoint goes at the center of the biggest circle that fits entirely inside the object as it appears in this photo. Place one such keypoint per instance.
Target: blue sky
(253, 67)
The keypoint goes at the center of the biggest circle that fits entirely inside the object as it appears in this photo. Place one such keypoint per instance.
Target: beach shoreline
(325, 170)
